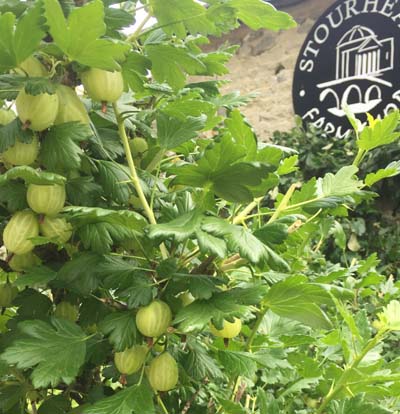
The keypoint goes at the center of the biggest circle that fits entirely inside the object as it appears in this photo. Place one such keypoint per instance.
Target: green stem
(155, 161)
(283, 204)
(162, 405)
(254, 331)
(342, 382)
(134, 176)
(359, 157)
(244, 214)
(139, 29)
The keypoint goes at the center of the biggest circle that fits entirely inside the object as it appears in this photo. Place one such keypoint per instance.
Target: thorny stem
(134, 176)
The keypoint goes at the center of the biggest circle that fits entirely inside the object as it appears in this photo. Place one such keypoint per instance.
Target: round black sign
(351, 58)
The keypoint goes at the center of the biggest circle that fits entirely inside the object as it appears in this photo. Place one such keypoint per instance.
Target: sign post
(351, 58)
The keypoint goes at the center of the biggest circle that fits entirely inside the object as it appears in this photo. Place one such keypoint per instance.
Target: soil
(265, 63)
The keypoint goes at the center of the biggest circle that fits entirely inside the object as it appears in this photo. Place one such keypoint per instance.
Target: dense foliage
(155, 258)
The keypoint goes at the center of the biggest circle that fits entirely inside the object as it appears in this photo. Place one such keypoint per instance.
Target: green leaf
(237, 363)
(180, 17)
(130, 283)
(36, 276)
(240, 239)
(382, 132)
(260, 15)
(13, 196)
(222, 168)
(391, 170)
(80, 37)
(242, 133)
(343, 183)
(60, 150)
(173, 132)
(357, 405)
(120, 327)
(267, 403)
(92, 215)
(55, 405)
(114, 179)
(231, 407)
(11, 397)
(136, 399)
(31, 176)
(18, 40)
(288, 165)
(221, 305)
(10, 132)
(171, 64)
(135, 70)
(295, 299)
(55, 353)
(81, 272)
(198, 363)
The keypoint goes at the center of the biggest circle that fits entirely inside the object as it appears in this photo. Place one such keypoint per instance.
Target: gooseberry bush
(151, 262)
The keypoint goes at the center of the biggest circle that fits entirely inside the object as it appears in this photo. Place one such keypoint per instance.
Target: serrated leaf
(31, 176)
(180, 17)
(343, 183)
(80, 37)
(81, 272)
(295, 299)
(171, 64)
(120, 327)
(391, 170)
(36, 276)
(19, 39)
(55, 352)
(221, 305)
(173, 132)
(382, 132)
(237, 363)
(114, 180)
(260, 15)
(136, 399)
(13, 196)
(10, 132)
(60, 151)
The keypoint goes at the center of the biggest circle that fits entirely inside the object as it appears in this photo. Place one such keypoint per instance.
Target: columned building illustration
(361, 53)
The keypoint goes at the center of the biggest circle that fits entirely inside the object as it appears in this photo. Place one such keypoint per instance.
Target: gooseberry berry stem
(134, 176)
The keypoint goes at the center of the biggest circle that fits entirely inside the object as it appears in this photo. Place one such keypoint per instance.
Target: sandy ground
(264, 64)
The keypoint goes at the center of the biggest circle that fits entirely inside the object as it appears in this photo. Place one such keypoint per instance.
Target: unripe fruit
(163, 373)
(154, 319)
(6, 116)
(31, 67)
(103, 86)
(46, 199)
(138, 146)
(65, 310)
(38, 112)
(22, 262)
(21, 153)
(56, 228)
(229, 330)
(70, 108)
(22, 226)
(131, 360)
(7, 295)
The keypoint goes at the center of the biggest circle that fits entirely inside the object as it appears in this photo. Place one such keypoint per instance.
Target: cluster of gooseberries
(39, 113)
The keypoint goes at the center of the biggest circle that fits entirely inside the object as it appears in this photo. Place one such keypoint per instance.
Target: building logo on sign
(351, 58)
